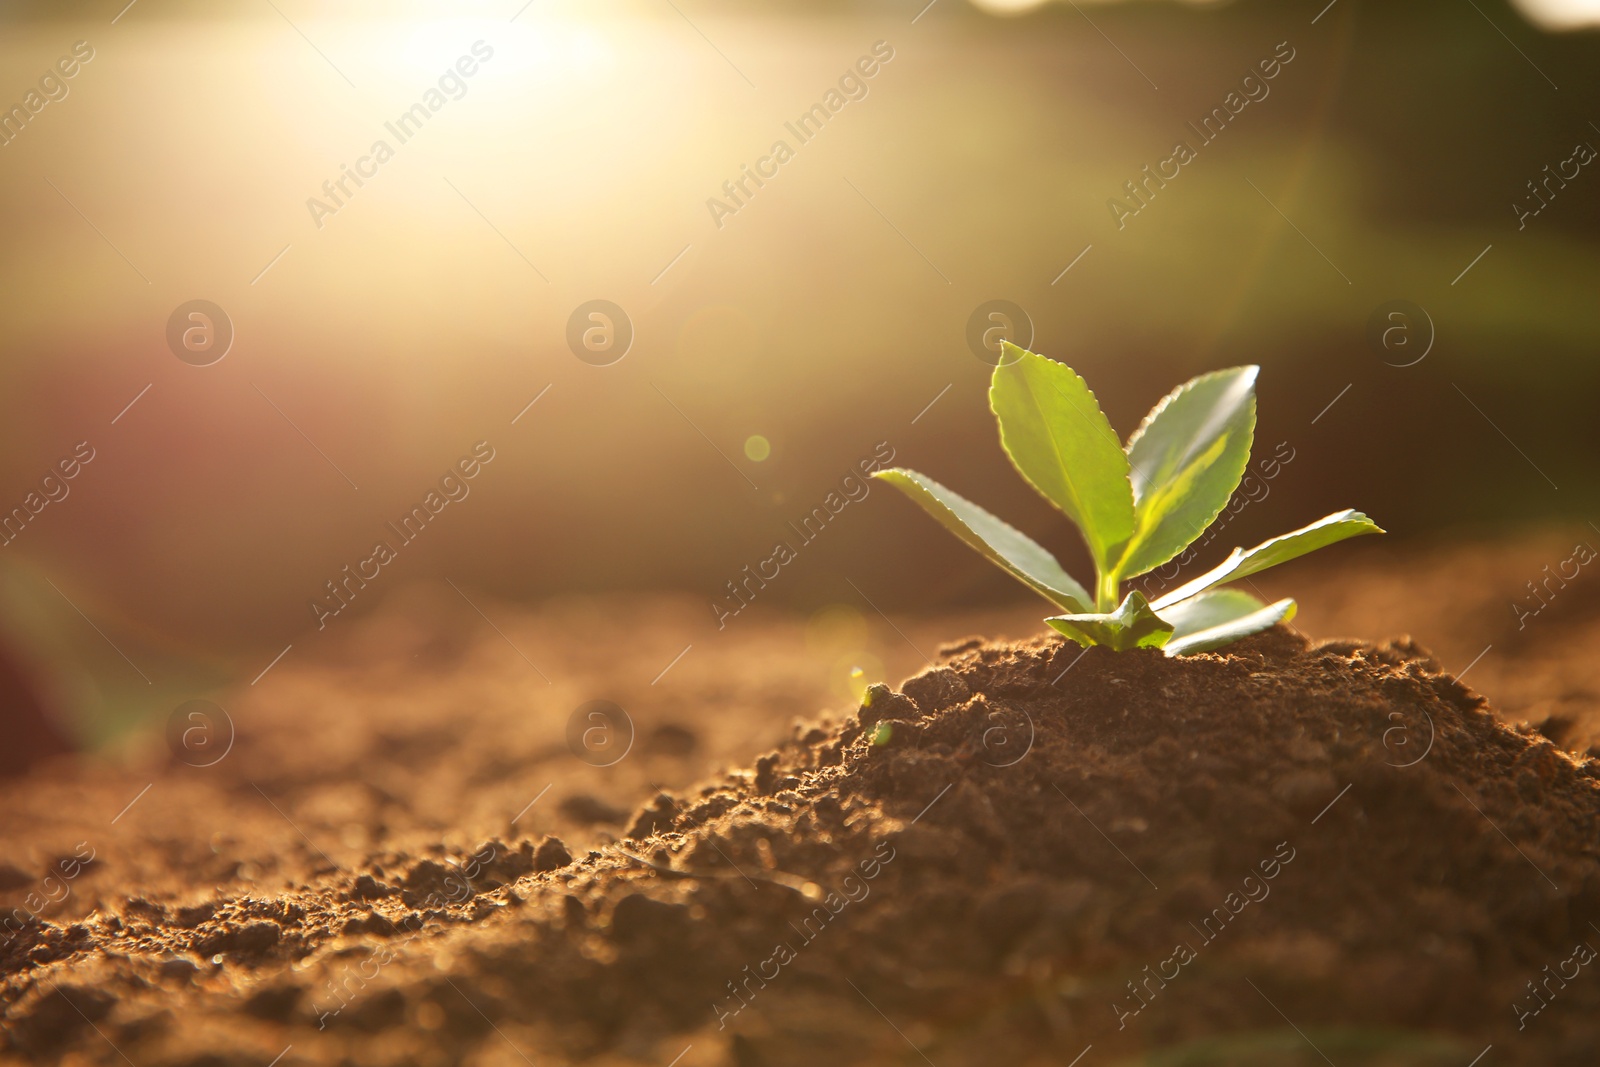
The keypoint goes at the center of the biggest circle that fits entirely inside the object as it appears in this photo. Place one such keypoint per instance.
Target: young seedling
(1137, 505)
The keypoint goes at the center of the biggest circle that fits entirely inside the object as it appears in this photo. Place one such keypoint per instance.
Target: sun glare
(547, 45)
(1546, 14)
(1560, 14)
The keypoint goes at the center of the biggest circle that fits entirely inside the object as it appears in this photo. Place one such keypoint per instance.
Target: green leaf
(1132, 625)
(1241, 564)
(1053, 429)
(1187, 457)
(1014, 551)
(1227, 632)
(1211, 608)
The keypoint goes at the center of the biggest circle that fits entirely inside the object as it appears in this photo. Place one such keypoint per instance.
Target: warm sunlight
(714, 533)
(1562, 14)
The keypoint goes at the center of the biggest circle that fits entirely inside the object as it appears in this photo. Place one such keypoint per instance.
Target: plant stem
(1106, 594)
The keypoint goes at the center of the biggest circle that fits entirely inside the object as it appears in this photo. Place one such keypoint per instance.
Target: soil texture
(1284, 852)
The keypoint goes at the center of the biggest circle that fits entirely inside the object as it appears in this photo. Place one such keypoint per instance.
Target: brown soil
(1283, 853)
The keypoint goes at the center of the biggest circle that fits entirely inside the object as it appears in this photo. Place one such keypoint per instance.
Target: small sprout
(1137, 505)
(881, 734)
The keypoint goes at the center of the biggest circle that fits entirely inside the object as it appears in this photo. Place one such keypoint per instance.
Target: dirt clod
(551, 855)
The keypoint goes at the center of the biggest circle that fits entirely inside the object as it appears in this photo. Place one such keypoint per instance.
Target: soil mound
(1280, 853)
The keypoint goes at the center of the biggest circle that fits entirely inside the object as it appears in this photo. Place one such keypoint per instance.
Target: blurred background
(359, 343)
